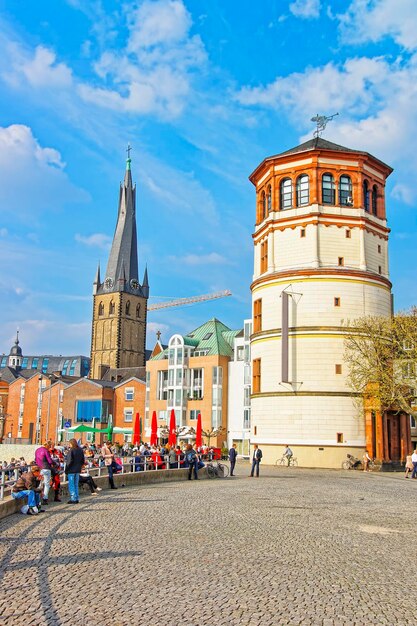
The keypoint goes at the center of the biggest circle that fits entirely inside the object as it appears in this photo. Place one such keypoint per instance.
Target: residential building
(239, 393)
(191, 376)
(320, 261)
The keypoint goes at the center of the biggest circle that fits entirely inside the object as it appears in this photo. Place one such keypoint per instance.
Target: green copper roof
(213, 336)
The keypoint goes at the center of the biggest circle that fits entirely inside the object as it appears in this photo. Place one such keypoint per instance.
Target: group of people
(43, 476)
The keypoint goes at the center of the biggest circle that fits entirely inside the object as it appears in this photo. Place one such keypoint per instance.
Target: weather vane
(129, 148)
(321, 123)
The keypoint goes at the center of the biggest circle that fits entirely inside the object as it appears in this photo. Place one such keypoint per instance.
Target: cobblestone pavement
(292, 547)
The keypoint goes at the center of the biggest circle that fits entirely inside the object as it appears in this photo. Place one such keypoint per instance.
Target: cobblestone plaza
(292, 547)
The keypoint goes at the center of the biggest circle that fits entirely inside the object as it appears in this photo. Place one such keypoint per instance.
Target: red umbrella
(198, 436)
(136, 431)
(154, 430)
(172, 439)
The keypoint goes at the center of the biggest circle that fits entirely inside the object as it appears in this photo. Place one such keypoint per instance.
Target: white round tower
(320, 260)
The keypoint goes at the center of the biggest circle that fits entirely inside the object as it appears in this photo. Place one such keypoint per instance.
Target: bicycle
(292, 462)
(217, 470)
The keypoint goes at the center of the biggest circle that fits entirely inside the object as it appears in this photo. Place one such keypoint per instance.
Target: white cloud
(306, 9)
(41, 70)
(46, 185)
(377, 101)
(153, 74)
(213, 258)
(155, 23)
(98, 240)
(372, 20)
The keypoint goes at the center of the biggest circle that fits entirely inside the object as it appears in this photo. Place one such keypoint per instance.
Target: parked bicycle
(217, 470)
(284, 461)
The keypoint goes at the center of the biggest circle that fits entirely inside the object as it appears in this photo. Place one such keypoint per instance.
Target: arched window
(128, 307)
(374, 200)
(263, 206)
(286, 194)
(365, 196)
(138, 310)
(101, 309)
(328, 192)
(269, 199)
(111, 308)
(303, 190)
(345, 191)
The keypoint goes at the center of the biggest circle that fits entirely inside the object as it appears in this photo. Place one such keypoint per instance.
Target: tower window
(339, 437)
(269, 198)
(256, 376)
(328, 189)
(257, 316)
(345, 191)
(303, 232)
(338, 368)
(264, 256)
(111, 308)
(128, 307)
(303, 190)
(286, 194)
(348, 233)
(366, 196)
(337, 301)
(374, 199)
(263, 206)
(379, 269)
(101, 309)
(138, 310)
(379, 248)
(340, 261)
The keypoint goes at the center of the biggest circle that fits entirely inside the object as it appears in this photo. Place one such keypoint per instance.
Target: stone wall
(10, 450)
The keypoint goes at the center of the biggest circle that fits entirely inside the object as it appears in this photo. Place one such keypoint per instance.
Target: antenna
(321, 123)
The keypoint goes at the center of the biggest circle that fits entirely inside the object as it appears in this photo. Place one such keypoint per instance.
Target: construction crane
(190, 300)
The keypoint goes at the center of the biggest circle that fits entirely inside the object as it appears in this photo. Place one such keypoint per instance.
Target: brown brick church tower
(120, 302)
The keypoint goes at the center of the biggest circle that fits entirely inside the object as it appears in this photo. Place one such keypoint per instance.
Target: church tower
(120, 302)
(321, 261)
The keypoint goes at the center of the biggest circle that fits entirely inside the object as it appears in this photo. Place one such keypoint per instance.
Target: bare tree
(213, 432)
(381, 354)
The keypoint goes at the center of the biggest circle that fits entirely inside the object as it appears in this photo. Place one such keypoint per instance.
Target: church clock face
(108, 283)
(134, 284)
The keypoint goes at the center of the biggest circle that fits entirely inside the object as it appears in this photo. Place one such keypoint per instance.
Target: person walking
(256, 459)
(44, 461)
(191, 458)
(108, 457)
(414, 461)
(232, 459)
(366, 459)
(408, 465)
(73, 465)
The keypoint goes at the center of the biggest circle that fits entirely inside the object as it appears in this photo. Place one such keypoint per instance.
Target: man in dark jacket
(73, 465)
(29, 486)
(256, 459)
(232, 458)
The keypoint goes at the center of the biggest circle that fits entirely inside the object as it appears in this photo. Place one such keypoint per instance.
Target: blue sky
(203, 90)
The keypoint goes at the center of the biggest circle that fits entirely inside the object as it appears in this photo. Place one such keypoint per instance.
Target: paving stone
(296, 547)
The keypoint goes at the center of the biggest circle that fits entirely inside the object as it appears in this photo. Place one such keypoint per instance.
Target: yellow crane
(190, 300)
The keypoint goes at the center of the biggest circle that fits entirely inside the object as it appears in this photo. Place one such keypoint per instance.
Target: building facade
(320, 261)
(118, 337)
(191, 376)
(239, 393)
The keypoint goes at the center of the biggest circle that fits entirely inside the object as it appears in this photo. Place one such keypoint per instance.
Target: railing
(6, 484)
